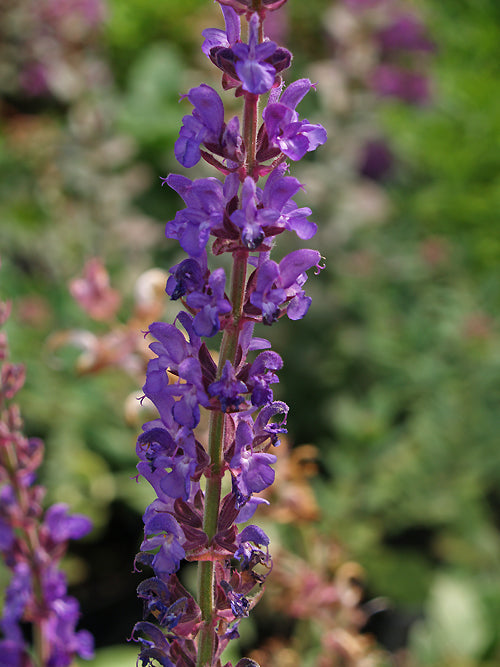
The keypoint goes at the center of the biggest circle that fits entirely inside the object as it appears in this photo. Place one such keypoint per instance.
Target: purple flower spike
(32, 544)
(244, 212)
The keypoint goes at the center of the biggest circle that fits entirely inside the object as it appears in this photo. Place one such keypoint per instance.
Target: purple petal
(298, 307)
(187, 146)
(295, 92)
(181, 184)
(256, 77)
(209, 106)
(64, 526)
(279, 189)
(297, 222)
(295, 263)
(253, 534)
(171, 339)
(233, 24)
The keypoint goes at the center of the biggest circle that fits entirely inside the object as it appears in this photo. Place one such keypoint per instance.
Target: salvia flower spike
(32, 544)
(238, 214)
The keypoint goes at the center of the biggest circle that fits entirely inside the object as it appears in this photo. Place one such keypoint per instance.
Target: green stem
(228, 351)
(206, 569)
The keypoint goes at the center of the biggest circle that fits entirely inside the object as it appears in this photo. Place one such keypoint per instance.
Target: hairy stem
(206, 569)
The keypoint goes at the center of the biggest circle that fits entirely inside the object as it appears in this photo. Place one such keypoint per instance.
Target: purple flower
(266, 296)
(376, 160)
(187, 276)
(277, 194)
(255, 74)
(162, 532)
(211, 304)
(245, 552)
(155, 648)
(251, 219)
(228, 389)
(223, 38)
(277, 283)
(261, 376)
(292, 136)
(408, 86)
(158, 602)
(60, 632)
(6, 534)
(405, 33)
(17, 596)
(205, 123)
(292, 269)
(205, 204)
(206, 126)
(240, 606)
(13, 653)
(253, 469)
(164, 464)
(264, 428)
(247, 508)
(178, 355)
(253, 65)
(63, 526)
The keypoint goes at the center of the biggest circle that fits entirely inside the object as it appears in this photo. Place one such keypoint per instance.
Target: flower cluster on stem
(191, 519)
(32, 543)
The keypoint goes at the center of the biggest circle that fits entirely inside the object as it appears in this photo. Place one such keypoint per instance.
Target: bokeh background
(386, 515)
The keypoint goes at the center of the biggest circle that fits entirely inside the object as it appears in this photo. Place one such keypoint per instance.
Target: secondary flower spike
(32, 544)
(240, 213)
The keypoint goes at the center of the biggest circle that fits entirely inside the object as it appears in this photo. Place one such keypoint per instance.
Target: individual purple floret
(255, 74)
(240, 216)
(210, 304)
(407, 85)
(206, 126)
(405, 33)
(292, 136)
(251, 67)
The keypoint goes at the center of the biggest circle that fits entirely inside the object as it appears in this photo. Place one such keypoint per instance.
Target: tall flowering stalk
(193, 518)
(32, 543)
